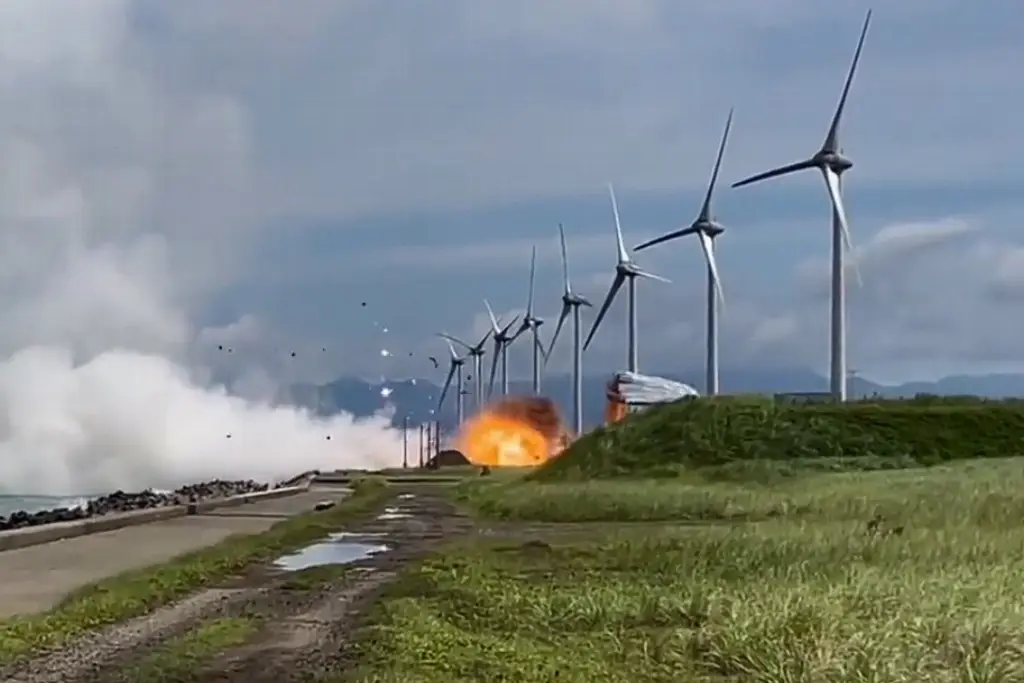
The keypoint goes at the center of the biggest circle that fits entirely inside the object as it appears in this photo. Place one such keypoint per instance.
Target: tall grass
(810, 594)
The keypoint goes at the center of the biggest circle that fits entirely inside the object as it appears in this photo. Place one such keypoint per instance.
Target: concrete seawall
(47, 533)
(36, 577)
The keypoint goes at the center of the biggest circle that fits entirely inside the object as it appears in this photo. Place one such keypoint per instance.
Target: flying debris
(293, 354)
(434, 361)
(220, 347)
(469, 377)
(706, 228)
(385, 353)
(385, 392)
(364, 304)
(227, 436)
(831, 163)
(625, 269)
(328, 437)
(324, 348)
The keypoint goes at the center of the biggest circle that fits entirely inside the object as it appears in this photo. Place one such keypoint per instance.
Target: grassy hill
(669, 440)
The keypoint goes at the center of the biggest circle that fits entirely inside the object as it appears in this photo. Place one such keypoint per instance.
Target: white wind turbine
(625, 269)
(502, 339)
(532, 324)
(571, 303)
(832, 164)
(706, 228)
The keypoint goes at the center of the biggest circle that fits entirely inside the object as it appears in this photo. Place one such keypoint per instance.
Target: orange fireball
(514, 432)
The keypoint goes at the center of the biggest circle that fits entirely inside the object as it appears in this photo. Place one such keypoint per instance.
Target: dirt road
(294, 623)
(36, 578)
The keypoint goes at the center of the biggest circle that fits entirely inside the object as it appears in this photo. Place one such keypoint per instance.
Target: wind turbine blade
(665, 238)
(490, 314)
(458, 341)
(652, 276)
(707, 245)
(533, 273)
(623, 255)
(566, 309)
(612, 291)
(480, 344)
(565, 260)
(705, 211)
(494, 369)
(776, 172)
(508, 327)
(832, 138)
(540, 346)
(832, 182)
(447, 384)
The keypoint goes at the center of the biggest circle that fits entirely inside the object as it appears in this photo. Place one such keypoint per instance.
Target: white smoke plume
(126, 200)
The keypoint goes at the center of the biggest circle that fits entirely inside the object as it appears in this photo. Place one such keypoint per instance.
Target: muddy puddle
(338, 549)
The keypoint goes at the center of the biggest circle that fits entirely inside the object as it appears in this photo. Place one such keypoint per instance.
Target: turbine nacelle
(833, 160)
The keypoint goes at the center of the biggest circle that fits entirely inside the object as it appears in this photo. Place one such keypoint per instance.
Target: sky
(181, 176)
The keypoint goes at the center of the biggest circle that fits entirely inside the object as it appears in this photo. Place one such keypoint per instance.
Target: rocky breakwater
(120, 501)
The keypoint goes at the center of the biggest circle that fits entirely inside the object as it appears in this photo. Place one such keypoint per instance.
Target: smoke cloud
(126, 205)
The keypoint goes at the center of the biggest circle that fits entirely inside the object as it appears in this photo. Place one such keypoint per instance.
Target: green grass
(807, 594)
(176, 660)
(139, 592)
(668, 440)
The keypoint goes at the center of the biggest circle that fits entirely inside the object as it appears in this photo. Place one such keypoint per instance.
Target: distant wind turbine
(502, 338)
(571, 303)
(706, 228)
(454, 370)
(532, 324)
(625, 269)
(832, 164)
(476, 352)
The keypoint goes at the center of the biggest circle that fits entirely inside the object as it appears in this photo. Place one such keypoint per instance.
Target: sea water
(12, 503)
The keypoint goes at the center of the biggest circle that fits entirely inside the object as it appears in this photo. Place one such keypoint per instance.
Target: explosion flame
(514, 432)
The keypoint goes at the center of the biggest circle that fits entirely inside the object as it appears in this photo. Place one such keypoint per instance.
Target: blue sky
(260, 169)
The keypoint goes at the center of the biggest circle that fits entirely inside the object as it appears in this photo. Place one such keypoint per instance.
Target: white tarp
(637, 389)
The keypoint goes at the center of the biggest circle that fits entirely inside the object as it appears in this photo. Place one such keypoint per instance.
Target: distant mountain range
(416, 398)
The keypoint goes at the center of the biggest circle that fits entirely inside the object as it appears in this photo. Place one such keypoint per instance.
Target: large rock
(120, 501)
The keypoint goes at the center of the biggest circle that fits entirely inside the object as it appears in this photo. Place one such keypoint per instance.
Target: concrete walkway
(36, 578)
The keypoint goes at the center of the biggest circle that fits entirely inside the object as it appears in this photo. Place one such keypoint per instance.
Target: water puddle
(333, 551)
(407, 496)
(394, 513)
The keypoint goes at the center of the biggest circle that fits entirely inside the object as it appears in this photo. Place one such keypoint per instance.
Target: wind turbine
(533, 323)
(571, 303)
(625, 269)
(706, 228)
(832, 164)
(502, 339)
(454, 370)
(476, 352)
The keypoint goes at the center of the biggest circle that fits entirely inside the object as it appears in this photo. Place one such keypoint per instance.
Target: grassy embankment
(139, 592)
(737, 541)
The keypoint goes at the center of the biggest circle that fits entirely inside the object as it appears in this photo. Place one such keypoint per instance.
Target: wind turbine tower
(625, 269)
(476, 352)
(706, 228)
(454, 370)
(571, 303)
(533, 323)
(831, 162)
(502, 338)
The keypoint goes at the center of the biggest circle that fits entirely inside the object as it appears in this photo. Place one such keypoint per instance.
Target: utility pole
(405, 442)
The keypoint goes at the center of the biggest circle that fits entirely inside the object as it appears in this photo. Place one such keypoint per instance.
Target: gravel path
(304, 627)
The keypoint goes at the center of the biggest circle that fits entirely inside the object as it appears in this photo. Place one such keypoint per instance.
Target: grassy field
(876, 566)
(139, 592)
(670, 439)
